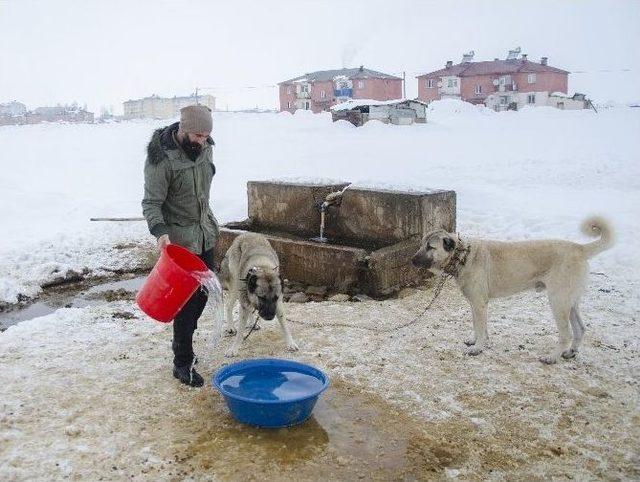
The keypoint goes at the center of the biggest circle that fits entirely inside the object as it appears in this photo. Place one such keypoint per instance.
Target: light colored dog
(486, 269)
(250, 273)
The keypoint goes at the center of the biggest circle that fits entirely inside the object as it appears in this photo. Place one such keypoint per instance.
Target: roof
(353, 103)
(355, 73)
(493, 67)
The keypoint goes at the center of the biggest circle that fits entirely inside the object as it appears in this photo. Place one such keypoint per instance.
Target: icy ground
(88, 394)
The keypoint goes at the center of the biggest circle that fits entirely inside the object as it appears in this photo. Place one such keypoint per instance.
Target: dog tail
(597, 226)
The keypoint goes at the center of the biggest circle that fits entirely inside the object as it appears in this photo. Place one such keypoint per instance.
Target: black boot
(187, 375)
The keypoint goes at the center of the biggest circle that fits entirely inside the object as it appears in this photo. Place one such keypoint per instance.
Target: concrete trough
(372, 233)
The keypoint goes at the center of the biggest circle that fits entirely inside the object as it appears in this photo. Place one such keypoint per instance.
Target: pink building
(499, 84)
(318, 91)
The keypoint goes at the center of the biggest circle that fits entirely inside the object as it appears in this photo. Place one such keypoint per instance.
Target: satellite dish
(496, 82)
(513, 54)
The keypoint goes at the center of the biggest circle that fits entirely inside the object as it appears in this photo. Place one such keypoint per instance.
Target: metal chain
(438, 290)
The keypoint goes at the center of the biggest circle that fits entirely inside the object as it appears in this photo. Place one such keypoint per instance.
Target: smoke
(349, 53)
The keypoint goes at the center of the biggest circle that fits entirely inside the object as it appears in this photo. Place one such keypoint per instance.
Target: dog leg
(282, 319)
(561, 308)
(578, 329)
(229, 330)
(242, 325)
(481, 336)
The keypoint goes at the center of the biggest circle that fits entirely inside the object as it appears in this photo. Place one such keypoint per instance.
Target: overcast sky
(105, 52)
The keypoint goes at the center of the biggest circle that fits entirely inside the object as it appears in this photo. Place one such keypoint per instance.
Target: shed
(398, 111)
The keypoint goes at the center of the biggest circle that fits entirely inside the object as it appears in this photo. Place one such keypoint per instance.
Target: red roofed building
(318, 91)
(499, 84)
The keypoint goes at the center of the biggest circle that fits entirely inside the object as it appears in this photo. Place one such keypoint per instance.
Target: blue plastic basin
(268, 392)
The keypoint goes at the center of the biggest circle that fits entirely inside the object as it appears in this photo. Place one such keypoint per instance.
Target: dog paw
(292, 346)
(231, 352)
(230, 331)
(470, 342)
(549, 360)
(570, 353)
(474, 351)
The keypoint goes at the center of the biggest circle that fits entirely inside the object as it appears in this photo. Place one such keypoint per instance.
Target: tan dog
(250, 273)
(487, 269)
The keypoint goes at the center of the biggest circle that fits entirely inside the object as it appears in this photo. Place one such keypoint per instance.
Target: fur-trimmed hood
(162, 140)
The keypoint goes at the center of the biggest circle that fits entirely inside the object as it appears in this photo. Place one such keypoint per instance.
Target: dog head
(436, 250)
(264, 289)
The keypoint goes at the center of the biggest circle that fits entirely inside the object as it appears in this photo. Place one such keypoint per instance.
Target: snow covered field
(85, 391)
(529, 174)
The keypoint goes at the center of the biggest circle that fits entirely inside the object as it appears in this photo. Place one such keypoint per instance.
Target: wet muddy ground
(88, 395)
(74, 295)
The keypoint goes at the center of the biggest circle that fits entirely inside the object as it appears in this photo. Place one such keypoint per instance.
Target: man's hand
(163, 241)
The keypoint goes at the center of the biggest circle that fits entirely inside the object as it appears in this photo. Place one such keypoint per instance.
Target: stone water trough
(371, 233)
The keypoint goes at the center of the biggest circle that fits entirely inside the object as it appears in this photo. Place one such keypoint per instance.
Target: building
(156, 107)
(500, 84)
(319, 91)
(399, 112)
(559, 100)
(15, 113)
(60, 113)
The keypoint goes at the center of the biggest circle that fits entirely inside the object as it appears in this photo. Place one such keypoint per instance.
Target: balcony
(506, 87)
(343, 93)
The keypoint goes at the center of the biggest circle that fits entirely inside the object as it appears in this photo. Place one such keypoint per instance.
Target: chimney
(449, 64)
(543, 61)
(361, 68)
(524, 56)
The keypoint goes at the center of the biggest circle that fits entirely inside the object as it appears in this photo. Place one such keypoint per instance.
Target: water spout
(333, 198)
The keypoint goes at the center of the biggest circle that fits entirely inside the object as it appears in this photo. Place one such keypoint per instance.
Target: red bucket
(170, 283)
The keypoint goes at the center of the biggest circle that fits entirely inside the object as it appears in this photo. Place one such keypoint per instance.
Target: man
(177, 180)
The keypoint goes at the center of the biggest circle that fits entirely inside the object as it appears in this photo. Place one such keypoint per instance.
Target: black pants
(186, 321)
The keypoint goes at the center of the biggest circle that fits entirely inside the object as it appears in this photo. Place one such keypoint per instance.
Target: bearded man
(177, 182)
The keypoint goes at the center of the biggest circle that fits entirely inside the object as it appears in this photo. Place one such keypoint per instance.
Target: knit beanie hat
(195, 119)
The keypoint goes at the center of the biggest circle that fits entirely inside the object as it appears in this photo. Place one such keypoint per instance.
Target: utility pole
(404, 84)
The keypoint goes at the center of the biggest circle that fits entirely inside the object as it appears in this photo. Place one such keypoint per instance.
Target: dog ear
(448, 244)
(252, 283)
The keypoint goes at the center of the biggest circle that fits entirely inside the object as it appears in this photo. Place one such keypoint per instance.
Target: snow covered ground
(529, 174)
(85, 391)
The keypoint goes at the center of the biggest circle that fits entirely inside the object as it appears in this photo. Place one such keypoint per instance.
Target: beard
(192, 149)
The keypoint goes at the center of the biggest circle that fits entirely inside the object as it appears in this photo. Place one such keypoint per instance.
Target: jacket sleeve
(156, 187)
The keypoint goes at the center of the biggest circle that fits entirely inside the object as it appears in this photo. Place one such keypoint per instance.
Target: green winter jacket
(176, 192)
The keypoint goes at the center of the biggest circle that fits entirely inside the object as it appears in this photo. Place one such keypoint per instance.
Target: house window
(288, 90)
(289, 104)
(504, 100)
(450, 83)
(429, 83)
(503, 80)
(531, 78)
(306, 105)
(531, 98)
(478, 89)
(361, 84)
(304, 88)
(323, 94)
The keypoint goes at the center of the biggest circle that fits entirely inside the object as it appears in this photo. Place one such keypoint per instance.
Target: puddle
(77, 295)
(350, 435)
